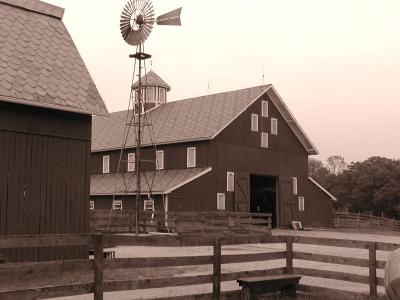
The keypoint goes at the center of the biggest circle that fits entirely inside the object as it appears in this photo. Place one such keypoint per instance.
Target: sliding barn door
(286, 202)
(242, 192)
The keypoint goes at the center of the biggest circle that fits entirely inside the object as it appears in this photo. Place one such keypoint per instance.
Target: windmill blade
(170, 18)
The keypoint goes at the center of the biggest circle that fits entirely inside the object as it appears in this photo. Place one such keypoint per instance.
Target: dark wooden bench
(253, 286)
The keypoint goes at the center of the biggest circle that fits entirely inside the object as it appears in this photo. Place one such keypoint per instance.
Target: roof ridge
(37, 6)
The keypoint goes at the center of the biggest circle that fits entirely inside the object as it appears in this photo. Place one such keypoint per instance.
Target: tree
(336, 164)
(317, 171)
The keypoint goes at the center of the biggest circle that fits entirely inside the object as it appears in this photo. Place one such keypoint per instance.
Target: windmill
(136, 24)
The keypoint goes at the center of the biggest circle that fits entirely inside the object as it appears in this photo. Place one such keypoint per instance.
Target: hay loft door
(242, 192)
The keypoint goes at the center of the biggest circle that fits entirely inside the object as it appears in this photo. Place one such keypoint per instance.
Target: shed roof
(200, 118)
(40, 64)
(152, 79)
(161, 182)
(322, 188)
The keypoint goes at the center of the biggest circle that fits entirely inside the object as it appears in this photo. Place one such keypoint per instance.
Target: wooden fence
(74, 277)
(364, 221)
(115, 221)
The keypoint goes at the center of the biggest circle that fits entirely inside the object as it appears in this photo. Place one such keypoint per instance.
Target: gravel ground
(123, 252)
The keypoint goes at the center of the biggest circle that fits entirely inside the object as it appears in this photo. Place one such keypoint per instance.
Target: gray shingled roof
(39, 63)
(152, 79)
(163, 181)
(186, 120)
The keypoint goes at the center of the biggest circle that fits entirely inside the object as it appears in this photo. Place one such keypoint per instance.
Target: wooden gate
(242, 192)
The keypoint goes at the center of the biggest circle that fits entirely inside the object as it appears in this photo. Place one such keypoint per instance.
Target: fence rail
(74, 277)
(364, 221)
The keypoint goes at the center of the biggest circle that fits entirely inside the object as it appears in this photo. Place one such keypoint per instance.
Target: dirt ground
(122, 252)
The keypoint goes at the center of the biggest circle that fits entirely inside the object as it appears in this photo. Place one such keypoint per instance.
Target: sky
(336, 64)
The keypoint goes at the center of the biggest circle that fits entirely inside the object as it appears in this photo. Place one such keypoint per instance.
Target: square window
(301, 203)
(131, 162)
(294, 185)
(191, 157)
(264, 140)
(264, 108)
(220, 201)
(254, 122)
(230, 182)
(91, 205)
(106, 164)
(117, 205)
(160, 160)
(149, 204)
(274, 126)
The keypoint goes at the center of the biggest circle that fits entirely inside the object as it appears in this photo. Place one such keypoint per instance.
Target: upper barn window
(301, 203)
(131, 162)
(191, 157)
(264, 108)
(294, 185)
(274, 126)
(160, 160)
(254, 122)
(106, 164)
(220, 201)
(117, 205)
(264, 140)
(230, 182)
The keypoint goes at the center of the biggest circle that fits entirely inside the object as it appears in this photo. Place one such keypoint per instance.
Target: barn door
(286, 203)
(242, 192)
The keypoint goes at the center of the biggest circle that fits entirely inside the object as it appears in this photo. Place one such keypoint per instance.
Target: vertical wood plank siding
(44, 177)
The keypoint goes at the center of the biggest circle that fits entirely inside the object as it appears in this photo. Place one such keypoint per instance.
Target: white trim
(131, 162)
(160, 164)
(188, 180)
(106, 166)
(255, 118)
(115, 203)
(294, 185)
(264, 103)
(274, 125)
(301, 203)
(148, 201)
(194, 157)
(91, 205)
(264, 134)
(227, 181)
(218, 203)
(324, 190)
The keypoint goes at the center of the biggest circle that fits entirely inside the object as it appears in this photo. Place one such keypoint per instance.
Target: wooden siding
(44, 176)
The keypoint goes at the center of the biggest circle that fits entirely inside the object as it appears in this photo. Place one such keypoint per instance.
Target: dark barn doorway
(263, 196)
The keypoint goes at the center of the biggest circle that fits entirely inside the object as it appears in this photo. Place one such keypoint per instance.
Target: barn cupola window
(254, 122)
(274, 126)
(191, 157)
(220, 201)
(264, 140)
(301, 203)
(117, 205)
(160, 160)
(264, 108)
(106, 164)
(294, 185)
(131, 162)
(230, 181)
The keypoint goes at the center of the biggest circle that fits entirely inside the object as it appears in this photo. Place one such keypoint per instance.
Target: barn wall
(128, 202)
(44, 176)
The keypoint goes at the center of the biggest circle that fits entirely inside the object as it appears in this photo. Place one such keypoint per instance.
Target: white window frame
(150, 91)
(294, 185)
(264, 108)
(160, 162)
(106, 164)
(91, 205)
(189, 164)
(131, 162)
(230, 186)
(264, 140)
(220, 201)
(117, 205)
(301, 203)
(162, 95)
(148, 204)
(274, 126)
(254, 122)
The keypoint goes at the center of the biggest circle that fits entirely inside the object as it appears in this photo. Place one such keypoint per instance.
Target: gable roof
(196, 119)
(152, 79)
(39, 63)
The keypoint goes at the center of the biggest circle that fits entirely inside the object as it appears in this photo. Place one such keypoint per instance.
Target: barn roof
(162, 182)
(200, 118)
(39, 63)
(152, 79)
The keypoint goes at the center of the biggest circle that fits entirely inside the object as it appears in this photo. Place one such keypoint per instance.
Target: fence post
(130, 221)
(98, 266)
(289, 255)
(216, 277)
(358, 220)
(373, 292)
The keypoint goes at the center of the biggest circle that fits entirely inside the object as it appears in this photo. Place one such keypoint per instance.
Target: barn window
(274, 126)
(191, 157)
(117, 205)
(148, 204)
(106, 164)
(91, 205)
(131, 162)
(264, 108)
(264, 140)
(254, 122)
(159, 160)
(162, 95)
(220, 201)
(230, 182)
(301, 203)
(294, 185)
(150, 94)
